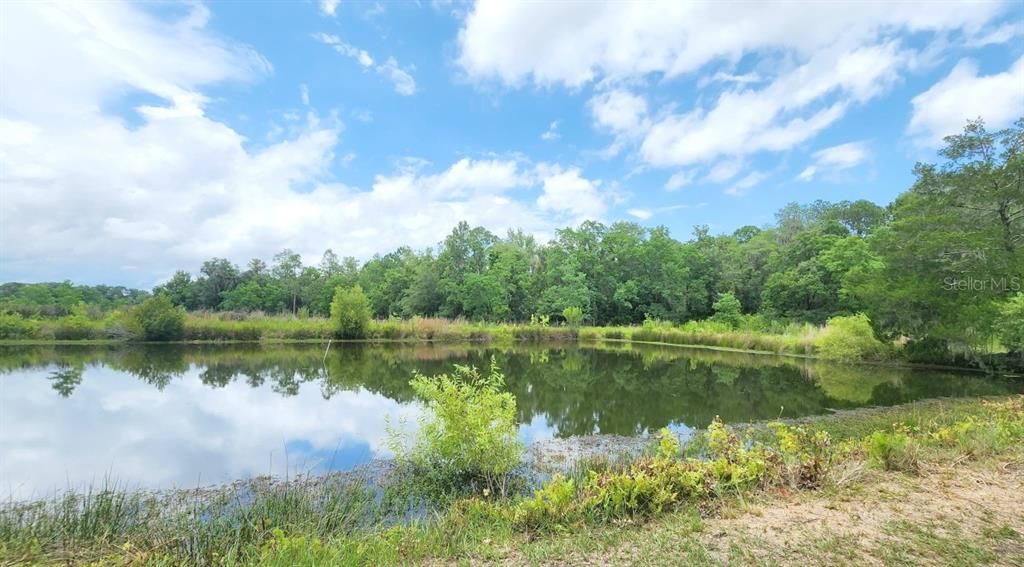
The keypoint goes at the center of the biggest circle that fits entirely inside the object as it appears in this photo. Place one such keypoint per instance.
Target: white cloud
(1001, 34)
(805, 64)
(403, 82)
(792, 109)
(185, 186)
(642, 214)
(620, 111)
(724, 171)
(304, 94)
(361, 56)
(566, 192)
(745, 184)
(963, 94)
(723, 77)
(105, 49)
(571, 43)
(551, 133)
(400, 78)
(680, 179)
(329, 7)
(835, 159)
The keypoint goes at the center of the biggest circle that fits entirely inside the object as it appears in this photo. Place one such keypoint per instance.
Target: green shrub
(732, 464)
(804, 456)
(160, 320)
(573, 316)
(552, 506)
(849, 338)
(469, 430)
(727, 310)
(893, 451)
(350, 313)
(668, 446)
(14, 326)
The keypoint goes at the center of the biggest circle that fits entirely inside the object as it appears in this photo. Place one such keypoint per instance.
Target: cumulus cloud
(964, 94)
(89, 195)
(835, 159)
(567, 192)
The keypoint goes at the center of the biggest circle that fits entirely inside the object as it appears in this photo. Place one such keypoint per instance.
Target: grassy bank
(224, 327)
(214, 327)
(674, 493)
(844, 339)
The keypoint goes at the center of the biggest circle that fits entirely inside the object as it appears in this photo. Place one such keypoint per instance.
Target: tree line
(942, 263)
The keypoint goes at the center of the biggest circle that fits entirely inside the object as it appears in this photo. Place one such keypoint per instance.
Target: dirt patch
(978, 511)
(961, 514)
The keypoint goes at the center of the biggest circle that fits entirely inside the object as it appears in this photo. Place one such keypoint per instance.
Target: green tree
(1010, 325)
(727, 309)
(350, 313)
(953, 246)
(160, 319)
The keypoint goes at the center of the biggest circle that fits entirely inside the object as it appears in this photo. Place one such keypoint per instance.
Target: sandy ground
(962, 514)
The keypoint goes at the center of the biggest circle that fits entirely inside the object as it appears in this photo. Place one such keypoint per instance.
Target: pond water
(180, 416)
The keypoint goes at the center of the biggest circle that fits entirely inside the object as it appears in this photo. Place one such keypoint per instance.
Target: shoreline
(552, 338)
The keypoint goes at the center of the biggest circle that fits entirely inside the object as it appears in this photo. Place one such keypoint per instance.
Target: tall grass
(789, 339)
(205, 527)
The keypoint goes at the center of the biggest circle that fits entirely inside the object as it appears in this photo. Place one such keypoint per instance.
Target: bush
(573, 316)
(160, 320)
(894, 451)
(14, 326)
(848, 338)
(727, 310)
(350, 313)
(469, 429)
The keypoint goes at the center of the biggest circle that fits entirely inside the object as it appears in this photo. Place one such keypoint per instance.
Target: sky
(138, 139)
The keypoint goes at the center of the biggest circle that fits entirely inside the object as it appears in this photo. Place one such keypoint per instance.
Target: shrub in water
(469, 430)
(848, 338)
(350, 313)
(159, 319)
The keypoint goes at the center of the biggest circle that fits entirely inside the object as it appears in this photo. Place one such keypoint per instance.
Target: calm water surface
(184, 416)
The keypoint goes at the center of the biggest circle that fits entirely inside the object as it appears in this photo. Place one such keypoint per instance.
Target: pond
(181, 416)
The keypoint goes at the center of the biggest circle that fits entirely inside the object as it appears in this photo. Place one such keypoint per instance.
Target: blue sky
(136, 139)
